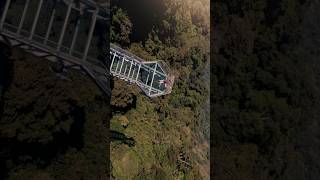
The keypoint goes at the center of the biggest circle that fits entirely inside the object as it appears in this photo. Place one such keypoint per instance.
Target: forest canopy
(265, 90)
(167, 130)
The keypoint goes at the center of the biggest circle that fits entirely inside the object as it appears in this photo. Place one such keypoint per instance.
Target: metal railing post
(93, 24)
(114, 56)
(121, 65)
(154, 72)
(65, 23)
(23, 16)
(130, 68)
(4, 14)
(117, 65)
(53, 14)
(75, 35)
(138, 72)
(35, 20)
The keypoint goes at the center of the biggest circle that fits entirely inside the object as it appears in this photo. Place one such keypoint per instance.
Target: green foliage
(161, 126)
(121, 26)
(264, 89)
(123, 98)
(49, 129)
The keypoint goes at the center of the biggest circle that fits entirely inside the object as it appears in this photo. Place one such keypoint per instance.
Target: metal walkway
(75, 31)
(153, 77)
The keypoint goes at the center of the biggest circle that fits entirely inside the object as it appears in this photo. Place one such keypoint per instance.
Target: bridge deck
(153, 77)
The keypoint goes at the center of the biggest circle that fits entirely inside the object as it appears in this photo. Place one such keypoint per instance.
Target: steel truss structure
(75, 31)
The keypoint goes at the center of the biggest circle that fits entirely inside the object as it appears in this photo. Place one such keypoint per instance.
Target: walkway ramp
(153, 77)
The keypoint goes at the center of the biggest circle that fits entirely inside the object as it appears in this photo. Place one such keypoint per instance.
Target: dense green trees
(121, 26)
(50, 129)
(165, 127)
(263, 89)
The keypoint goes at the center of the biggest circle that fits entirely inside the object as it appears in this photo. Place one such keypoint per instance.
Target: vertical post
(75, 35)
(121, 65)
(154, 72)
(134, 69)
(36, 20)
(93, 24)
(125, 69)
(130, 68)
(138, 72)
(4, 14)
(65, 23)
(53, 14)
(147, 78)
(117, 65)
(23, 16)
(114, 56)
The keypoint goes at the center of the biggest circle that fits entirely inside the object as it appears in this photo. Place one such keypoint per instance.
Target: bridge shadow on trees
(45, 125)
(41, 154)
(118, 136)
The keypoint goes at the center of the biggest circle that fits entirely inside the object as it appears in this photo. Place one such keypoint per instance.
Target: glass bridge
(153, 77)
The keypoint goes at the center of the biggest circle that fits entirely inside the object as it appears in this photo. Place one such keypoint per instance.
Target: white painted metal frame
(118, 57)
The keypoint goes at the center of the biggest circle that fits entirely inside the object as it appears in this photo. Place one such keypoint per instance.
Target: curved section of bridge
(75, 31)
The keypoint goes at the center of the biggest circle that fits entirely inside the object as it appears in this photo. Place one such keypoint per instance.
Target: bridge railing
(72, 28)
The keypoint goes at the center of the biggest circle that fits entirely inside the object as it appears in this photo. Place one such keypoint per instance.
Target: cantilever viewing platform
(153, 77)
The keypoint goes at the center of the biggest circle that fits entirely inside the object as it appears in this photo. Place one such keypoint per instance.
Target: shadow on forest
(42, 154)
(22, 152)
(117, 136)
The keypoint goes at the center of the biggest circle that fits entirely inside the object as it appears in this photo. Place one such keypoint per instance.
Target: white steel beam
(121, 65)
(53, 14)
(114, 56)
(147, 78)
(36, 19)
(137, 76)
(154, 72)
(64, 27)
(4, 14)
(93, 24)
(131, 62)
(23, 16)
(75, 35)
(118, 62)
